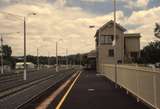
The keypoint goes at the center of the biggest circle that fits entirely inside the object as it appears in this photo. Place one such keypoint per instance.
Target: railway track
(28, 104)
(17, 79)
(8, 76)
(29, 91)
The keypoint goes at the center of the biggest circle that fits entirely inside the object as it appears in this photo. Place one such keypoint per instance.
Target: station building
(125, 50)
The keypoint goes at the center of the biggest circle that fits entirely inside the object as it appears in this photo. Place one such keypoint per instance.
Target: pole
(48, 60)
(115, 57)
(2, 70)
(80, 60)
(37, 59)
(99, 43)
(56, 56)
(66, 59)
(25, 70)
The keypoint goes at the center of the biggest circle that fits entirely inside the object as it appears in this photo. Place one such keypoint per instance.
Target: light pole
(57, 63)
(25, 69)
(48, 60)
(66, 59)
(79, 60)
(2, 70)
(56, 56)
(114, 44)
(37, 59)
(25, 59)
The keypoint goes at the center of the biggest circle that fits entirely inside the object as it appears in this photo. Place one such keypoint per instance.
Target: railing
(143, 82)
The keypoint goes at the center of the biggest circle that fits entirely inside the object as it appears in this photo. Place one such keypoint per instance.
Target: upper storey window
(106, 39)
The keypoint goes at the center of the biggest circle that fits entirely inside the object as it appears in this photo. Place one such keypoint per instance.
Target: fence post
(137, 80)
(155, 90)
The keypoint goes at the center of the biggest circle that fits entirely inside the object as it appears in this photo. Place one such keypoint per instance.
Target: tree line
(149, 54)
(10, 60)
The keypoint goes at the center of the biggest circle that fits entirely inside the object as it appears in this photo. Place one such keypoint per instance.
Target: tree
(151, 53)
(157, 30)
(8, 60)
(7, 51)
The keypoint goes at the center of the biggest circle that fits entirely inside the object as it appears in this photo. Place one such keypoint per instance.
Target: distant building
(20, 65)
(91, 60)
(127, 45)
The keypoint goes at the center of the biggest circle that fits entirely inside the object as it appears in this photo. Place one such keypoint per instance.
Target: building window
(111, 53)
(134, 54)
(106, 39)
(102, 40)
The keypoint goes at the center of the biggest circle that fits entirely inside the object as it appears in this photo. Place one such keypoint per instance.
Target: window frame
(106, 39)
(111, 53)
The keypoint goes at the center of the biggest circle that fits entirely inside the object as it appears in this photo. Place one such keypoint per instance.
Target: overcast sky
(69, 20)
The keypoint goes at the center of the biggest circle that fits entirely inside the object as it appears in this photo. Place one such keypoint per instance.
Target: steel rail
(13, 90)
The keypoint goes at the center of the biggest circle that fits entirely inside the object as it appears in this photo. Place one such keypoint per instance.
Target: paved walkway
(92, 91)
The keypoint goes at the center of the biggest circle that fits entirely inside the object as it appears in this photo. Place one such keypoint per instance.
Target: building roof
(91, 54)
(132, 35)
(107, 24)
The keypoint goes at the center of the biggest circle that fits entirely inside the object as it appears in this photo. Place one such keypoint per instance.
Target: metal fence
(6, 68)
(143, 82)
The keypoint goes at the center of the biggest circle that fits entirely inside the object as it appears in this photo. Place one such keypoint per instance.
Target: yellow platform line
(68, 91)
